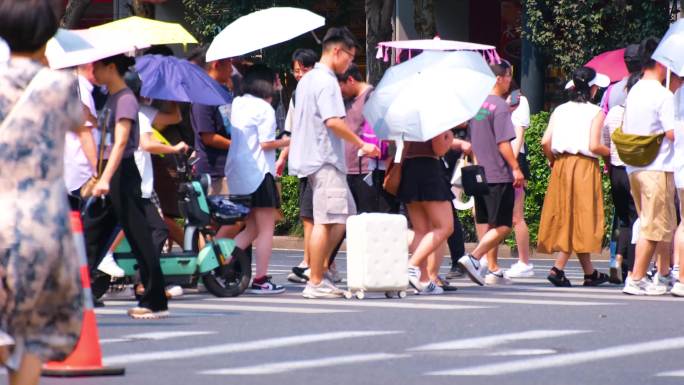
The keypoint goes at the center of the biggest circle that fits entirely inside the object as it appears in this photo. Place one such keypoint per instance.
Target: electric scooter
(224, 269)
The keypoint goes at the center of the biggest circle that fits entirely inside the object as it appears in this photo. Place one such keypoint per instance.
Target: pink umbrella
(610, 63)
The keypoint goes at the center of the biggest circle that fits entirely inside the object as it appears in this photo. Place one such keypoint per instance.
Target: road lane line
(265, 309)
(495, 340)
(560, 302)
(592, 296)
(167, 335)
(567, 359)
(376, 303)
(289, 366)
(676, 373)
(240, 347)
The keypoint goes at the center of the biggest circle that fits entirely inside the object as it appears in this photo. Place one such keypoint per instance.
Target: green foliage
(570, 32)
(291, 224)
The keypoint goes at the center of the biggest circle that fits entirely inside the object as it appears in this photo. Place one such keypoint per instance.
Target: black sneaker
(267, 287)
(455, 272)
(557, 278)
(444, 284)
(301, 272)
(595, 278)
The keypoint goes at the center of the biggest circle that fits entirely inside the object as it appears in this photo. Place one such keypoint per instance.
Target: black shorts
(266, 195)
(496, 208)
(423, 179)
(305, 199)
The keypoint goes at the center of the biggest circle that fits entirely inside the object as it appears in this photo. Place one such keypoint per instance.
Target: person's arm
(164, 119)
(667, 117)
(121, 131)
(519, 140)
(214, 140)
(203, 122)
(85, 137)
(546, 144)
(274, 144)
(340, 128)
(461, 145)
(595, 144)
(507, 153)
(442, 142)
(153, 146)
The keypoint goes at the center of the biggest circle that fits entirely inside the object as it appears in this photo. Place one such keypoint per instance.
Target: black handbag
(474, 180)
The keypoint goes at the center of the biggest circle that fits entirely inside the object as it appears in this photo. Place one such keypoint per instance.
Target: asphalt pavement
(525, 333)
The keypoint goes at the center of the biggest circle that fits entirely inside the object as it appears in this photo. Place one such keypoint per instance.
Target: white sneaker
(484, 266)
(497, 278)
(430, 289)
(414, 278)
(325, 289)
(520, 270)
(173, 291)
(642, 287)
(472, 268)
(109, 266)
(678, 290)
(663, 281)
(299, 274)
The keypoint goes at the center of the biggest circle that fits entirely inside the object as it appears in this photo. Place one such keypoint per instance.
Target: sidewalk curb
(297, 243)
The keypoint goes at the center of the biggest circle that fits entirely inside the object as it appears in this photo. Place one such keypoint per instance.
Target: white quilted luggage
(377, 254)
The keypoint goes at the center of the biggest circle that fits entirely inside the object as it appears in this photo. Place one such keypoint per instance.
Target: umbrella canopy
(670, 51)
(170, 78)
(148, 31)
(611, 64)
(69, 48)
(262, 29)
(429, 94)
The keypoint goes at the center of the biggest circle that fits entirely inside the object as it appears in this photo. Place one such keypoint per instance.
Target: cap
(599, 80)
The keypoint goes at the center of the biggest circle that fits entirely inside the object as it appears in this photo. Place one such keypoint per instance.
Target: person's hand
(466, 147)
(101, 188)
(370, 150)
(280, 167)
(181, 148)
(518, 178)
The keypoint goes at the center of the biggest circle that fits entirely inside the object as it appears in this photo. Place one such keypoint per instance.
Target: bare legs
(259, 228)
(28, 373)
(324, 237)
(432, 224)
(522, 232)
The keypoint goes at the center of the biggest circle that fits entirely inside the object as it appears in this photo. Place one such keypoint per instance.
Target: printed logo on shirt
(486, 110)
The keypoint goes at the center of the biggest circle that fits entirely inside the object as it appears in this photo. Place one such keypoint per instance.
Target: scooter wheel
(232, 279)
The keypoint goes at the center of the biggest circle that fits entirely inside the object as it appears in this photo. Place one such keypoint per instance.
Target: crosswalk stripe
(496, 340)
(240, 347)
(372, 303)
(231, 307)
(676, 373)
(607, 296)
(484, 300)
(566, 359)
(289, 366)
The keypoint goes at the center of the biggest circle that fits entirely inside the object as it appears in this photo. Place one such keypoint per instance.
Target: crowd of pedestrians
(92, 134)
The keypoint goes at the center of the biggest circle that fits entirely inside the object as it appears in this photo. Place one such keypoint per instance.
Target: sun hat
(599, 80)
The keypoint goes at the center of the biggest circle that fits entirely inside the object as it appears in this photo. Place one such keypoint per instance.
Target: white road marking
(567, 359)
(113, 340)
(520, 352)
(606, 296)
(266, 309)
(289, 366)
(167, 335)
(239, 347)
(560, 302)
(677, 373)
(500, 339)
(376, 303)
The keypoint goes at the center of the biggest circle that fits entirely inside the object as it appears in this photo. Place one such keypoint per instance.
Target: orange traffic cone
(86, 359)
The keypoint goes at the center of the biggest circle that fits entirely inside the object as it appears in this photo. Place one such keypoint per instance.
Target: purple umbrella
(170, 78)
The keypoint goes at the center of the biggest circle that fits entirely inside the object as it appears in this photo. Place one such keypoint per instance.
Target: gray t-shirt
(124, 105)
(492, 125)
(618, 94)
(312, 144)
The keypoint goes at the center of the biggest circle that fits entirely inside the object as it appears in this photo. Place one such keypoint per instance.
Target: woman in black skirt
(250, 168)
(424, 189)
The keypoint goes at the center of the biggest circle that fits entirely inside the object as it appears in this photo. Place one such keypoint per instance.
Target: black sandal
(557, 278)
(595, 278)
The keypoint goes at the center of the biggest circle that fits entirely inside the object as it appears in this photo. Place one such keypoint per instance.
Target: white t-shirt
(650, 111)
(571, 128)
(143, 159)
(77, 170)
(254, 122)
(678, 160)
(610, 124)
(521, 116)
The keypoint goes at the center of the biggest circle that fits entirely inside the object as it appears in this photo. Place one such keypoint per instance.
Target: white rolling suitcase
(377, 254)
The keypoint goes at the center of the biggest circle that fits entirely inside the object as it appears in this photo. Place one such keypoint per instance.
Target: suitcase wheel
(348, 294)
(360, 294)
(401, 294)
(389, 294)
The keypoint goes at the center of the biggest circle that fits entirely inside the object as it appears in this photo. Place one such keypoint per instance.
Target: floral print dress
(40, 289)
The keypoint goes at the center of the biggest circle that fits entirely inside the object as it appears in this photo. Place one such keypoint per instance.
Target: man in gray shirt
(317, 153)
